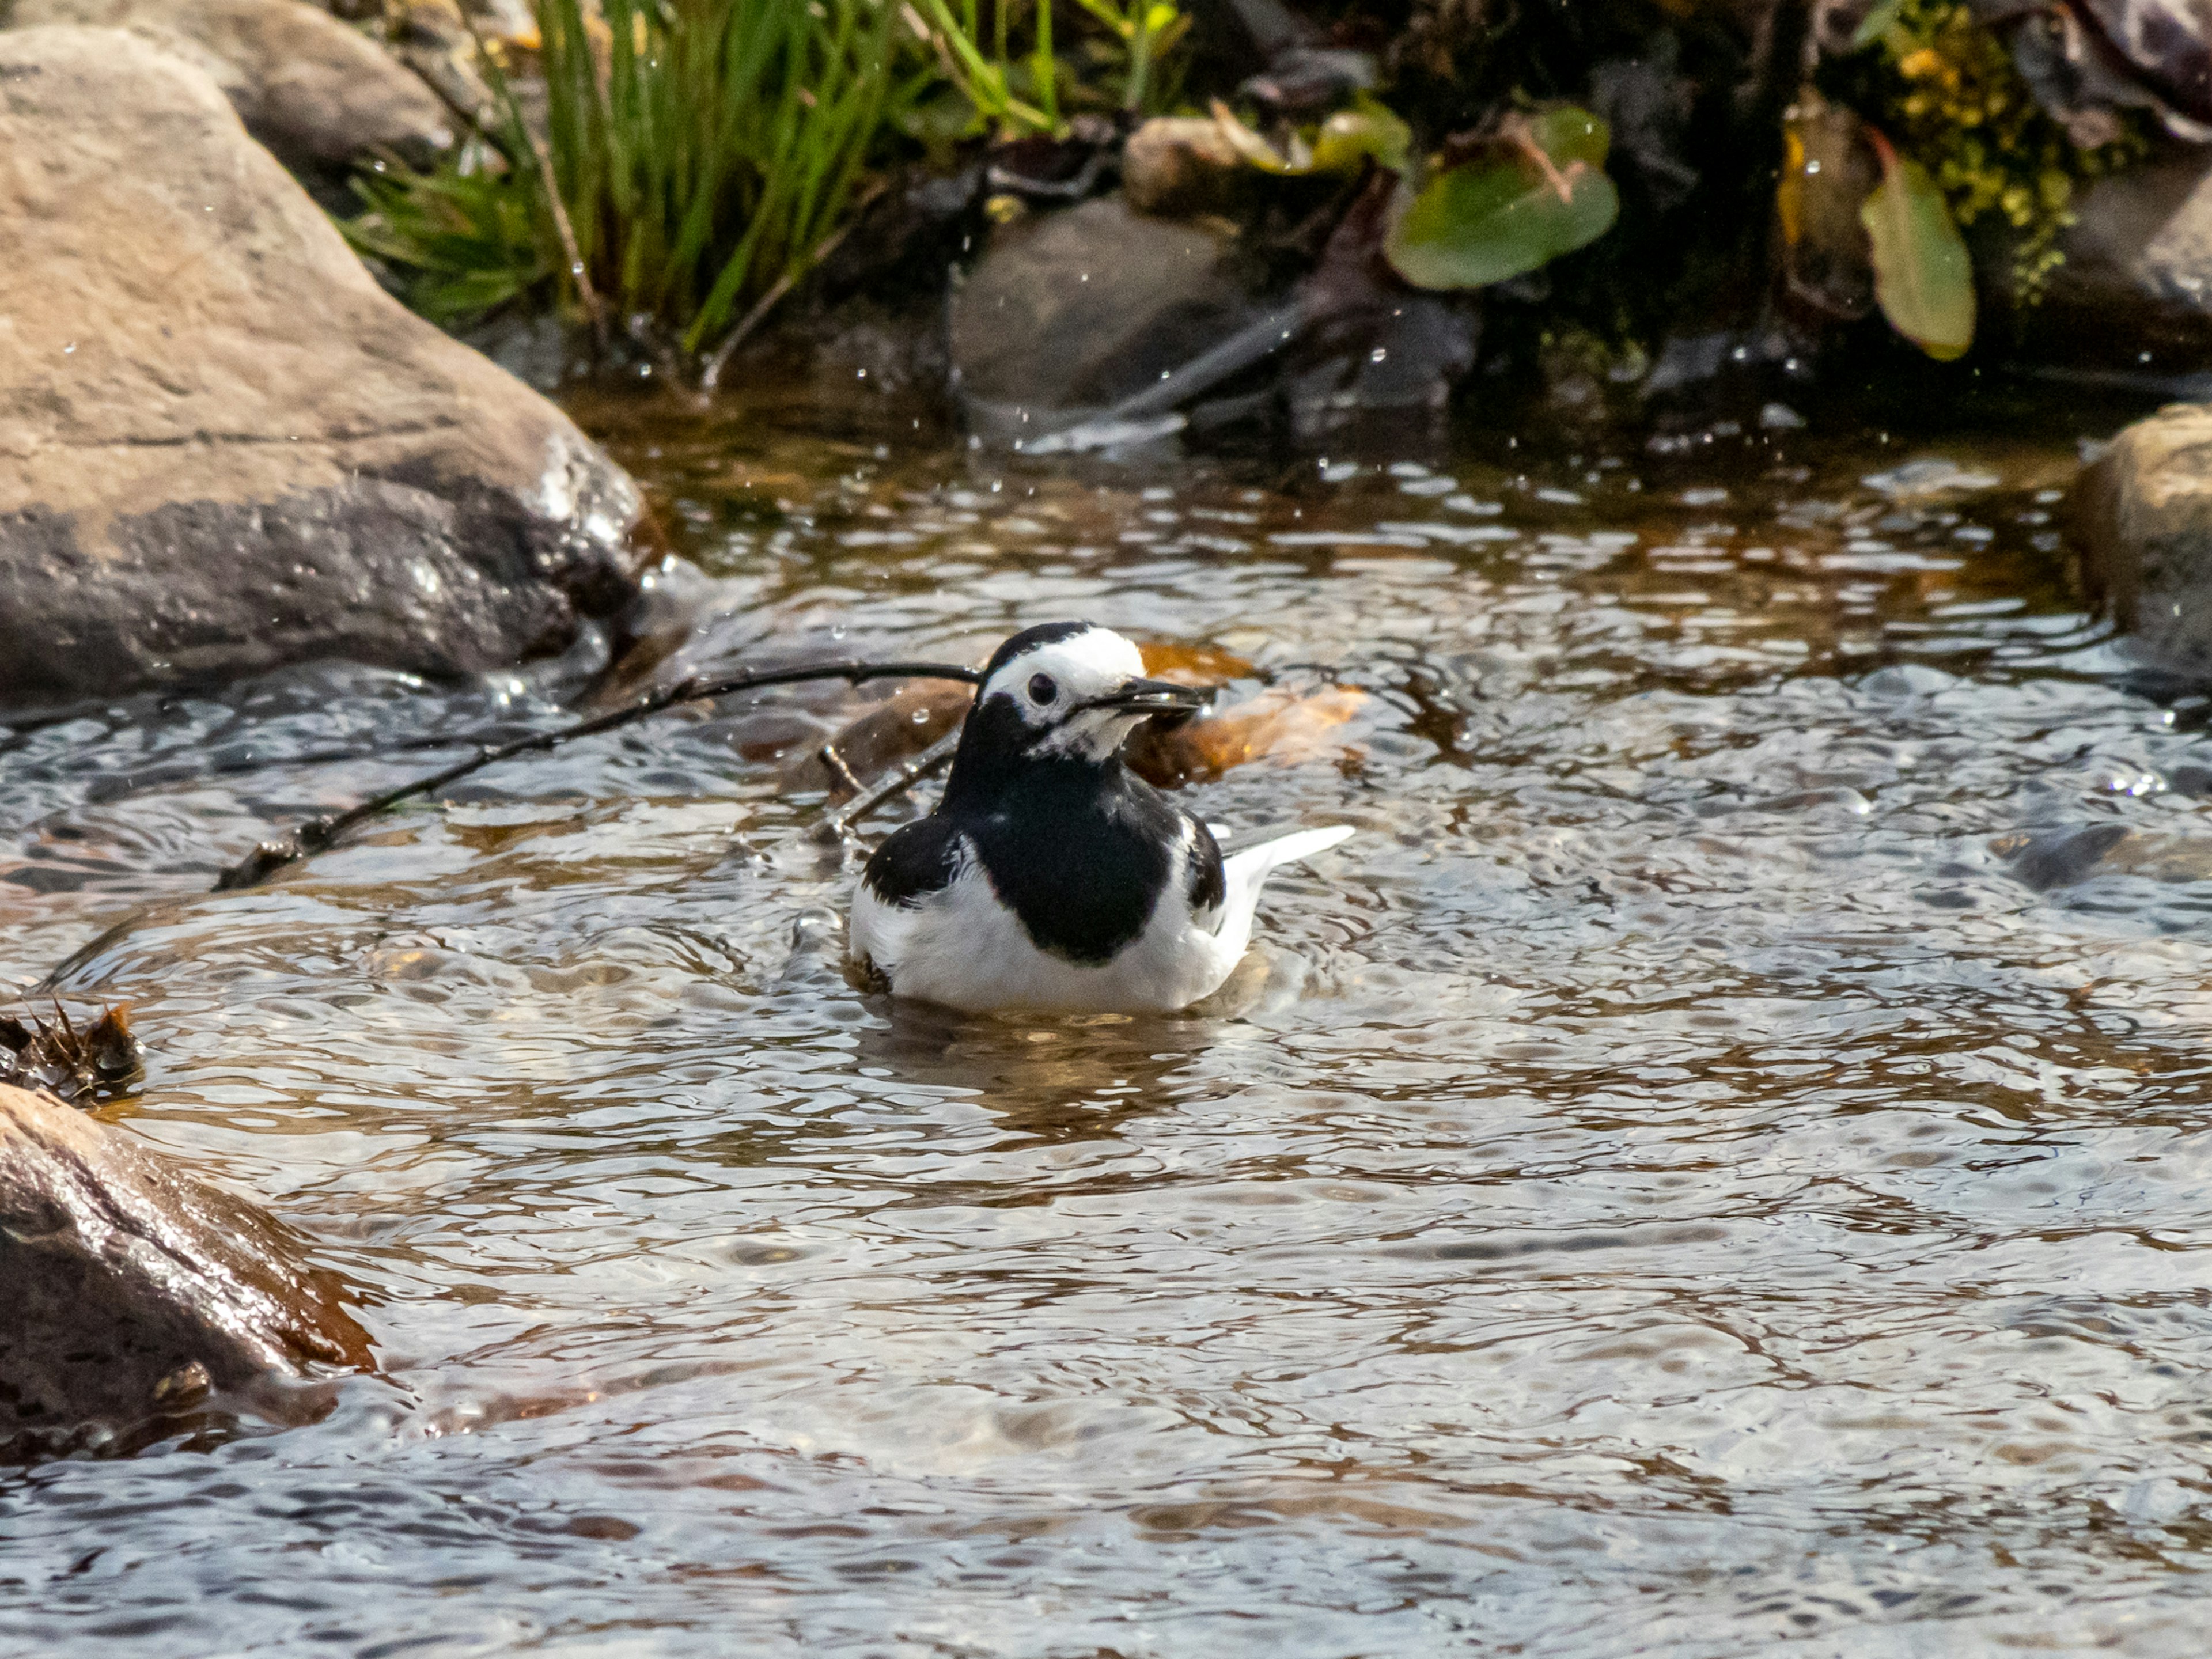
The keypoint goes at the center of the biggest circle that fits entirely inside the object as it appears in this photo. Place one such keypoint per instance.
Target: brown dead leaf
(1276, 726)
(1192, 665)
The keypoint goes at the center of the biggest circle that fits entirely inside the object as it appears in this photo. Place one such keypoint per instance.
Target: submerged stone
(137, 1302)
(222, 447)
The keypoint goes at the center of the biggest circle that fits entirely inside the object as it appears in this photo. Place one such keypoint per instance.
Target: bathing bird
(1050, 877)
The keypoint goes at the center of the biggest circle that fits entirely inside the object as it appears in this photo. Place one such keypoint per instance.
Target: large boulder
(135, 1301)
(313, 90)
(2142, 521)
(222, 447)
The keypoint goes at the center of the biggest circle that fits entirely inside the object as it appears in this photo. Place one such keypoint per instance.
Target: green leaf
(1251, 149)
(1877, 23)
(1542, 192)
(1350, 135)
(1924, 277)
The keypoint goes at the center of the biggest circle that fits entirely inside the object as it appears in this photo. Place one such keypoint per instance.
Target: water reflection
(1720, 1160)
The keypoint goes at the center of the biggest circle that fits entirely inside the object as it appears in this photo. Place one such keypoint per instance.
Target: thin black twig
(317, 835)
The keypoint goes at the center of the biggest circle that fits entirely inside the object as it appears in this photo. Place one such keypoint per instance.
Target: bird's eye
(1043, 688)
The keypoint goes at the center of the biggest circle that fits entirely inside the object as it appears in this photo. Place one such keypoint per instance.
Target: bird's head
(1069, 689)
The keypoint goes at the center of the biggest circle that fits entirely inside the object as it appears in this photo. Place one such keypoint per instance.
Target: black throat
(1079, 849)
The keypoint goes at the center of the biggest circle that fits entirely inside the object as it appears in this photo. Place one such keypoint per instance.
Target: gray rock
(1069, 313)
(2143, 519)
(138, 1302)
(313, 90)
(222, 447)
(2135, 293)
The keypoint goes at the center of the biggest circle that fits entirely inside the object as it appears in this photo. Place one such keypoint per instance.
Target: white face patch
(1045, 683)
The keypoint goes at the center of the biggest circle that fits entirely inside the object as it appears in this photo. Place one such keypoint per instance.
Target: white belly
(963, 948)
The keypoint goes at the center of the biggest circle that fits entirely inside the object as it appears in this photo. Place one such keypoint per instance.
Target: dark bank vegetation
(1605, 178)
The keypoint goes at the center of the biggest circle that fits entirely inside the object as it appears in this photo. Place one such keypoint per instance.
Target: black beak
(1160, 698)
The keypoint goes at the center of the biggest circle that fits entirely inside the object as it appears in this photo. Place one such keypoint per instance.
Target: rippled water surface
(1719, 1161)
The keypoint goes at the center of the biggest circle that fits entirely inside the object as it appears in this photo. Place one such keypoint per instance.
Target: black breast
(1080, 852)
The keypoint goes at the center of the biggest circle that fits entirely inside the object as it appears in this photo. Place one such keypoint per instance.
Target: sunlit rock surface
(222, 447)
(313, 90)
(135, 1300)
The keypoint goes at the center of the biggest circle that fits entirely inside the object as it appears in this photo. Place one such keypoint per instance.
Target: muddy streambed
(1680, 1188)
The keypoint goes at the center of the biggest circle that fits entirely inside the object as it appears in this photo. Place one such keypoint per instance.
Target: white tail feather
(1249, 867)
(1245, 870)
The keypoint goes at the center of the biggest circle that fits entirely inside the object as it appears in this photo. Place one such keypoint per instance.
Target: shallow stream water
(1717, 1165)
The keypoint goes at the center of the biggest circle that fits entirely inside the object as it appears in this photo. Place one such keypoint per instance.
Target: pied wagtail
(1051, 877)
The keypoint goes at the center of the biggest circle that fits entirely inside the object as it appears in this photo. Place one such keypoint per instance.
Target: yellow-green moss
(1944, 90)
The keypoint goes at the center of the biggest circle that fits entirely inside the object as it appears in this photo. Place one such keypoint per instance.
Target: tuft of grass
(463, 236)
(697, 157)
(720, 146)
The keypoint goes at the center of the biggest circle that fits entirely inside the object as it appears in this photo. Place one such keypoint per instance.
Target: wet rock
(1402, 353)
(1368, 344)
(314, 91)
(56, 1056)
(2061, 858)
(2142, 522)
(1305, 79)
(222, 447)
(137, 1302)
(1069, 313)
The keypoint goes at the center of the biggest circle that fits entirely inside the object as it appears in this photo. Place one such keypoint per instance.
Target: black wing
(1205, 888)
(918, 860)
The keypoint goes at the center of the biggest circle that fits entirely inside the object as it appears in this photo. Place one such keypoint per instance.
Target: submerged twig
(893, 784)
(317, 835)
